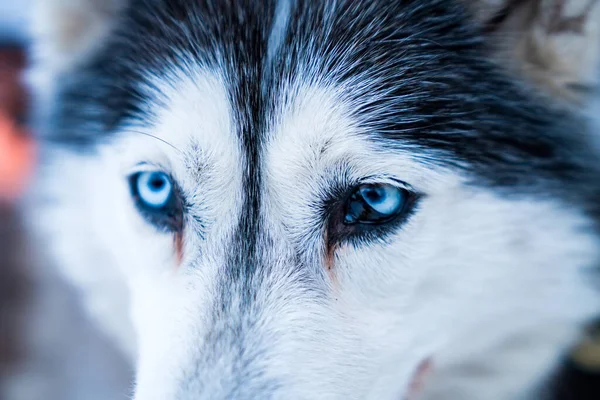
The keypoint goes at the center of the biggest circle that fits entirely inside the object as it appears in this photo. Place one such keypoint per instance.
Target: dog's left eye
(369, 211)
(156, 199)
(375, 204)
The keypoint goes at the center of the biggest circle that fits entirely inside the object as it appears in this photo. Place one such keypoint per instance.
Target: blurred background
(48, 349)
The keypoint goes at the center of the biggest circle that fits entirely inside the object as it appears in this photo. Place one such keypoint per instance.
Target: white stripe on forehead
(195, 136)
(196, 103)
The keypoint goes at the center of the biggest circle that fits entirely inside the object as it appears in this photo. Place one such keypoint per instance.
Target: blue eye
(154, 189)
(157, 200)
(375, 204)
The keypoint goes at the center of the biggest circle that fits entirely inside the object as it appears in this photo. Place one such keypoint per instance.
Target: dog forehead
(411, 73)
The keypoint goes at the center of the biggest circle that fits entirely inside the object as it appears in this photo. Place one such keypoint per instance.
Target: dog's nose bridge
(240, 333)
(233, 354)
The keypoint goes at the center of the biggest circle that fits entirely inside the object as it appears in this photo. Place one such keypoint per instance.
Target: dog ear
(64, 31)
(553, 43)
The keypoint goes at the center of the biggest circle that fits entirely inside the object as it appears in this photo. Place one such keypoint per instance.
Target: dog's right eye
(157, 200)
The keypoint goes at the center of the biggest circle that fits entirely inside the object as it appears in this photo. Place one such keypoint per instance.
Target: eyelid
(341, 190)
(385, 180)
(148, 167)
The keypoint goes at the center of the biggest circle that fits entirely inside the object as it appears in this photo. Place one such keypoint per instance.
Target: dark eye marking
(157, 199)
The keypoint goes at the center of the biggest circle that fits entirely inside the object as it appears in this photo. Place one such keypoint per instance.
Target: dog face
(316, 200)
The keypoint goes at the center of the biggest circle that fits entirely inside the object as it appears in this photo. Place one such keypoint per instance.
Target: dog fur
(264, 112)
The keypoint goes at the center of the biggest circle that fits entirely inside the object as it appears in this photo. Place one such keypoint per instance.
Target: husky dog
(303, 199)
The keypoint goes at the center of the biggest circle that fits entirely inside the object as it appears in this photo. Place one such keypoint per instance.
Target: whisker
(157, 138)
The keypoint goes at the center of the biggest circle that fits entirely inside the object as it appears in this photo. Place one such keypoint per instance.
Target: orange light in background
(17, 154)
(17, 148)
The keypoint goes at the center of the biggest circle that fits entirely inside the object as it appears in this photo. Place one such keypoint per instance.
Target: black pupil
(373, 195)
(157, 183)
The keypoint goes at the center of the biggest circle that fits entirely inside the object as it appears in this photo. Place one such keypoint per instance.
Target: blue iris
(385, 199)
(154, 189)
(375, 203)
